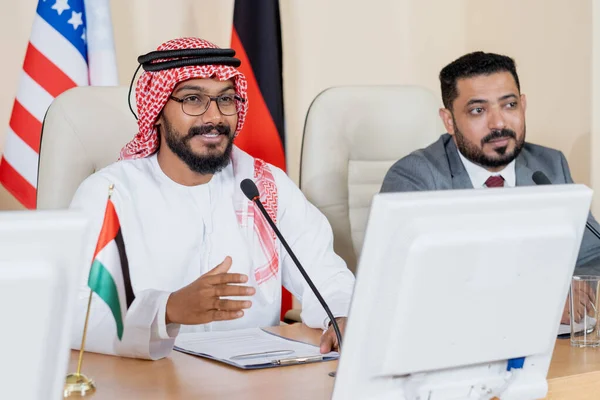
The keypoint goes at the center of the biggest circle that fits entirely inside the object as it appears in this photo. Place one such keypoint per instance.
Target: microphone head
(249, 188)
(540, 178)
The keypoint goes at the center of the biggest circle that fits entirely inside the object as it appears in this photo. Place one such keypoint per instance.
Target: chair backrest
(84, 130)
(352, 136)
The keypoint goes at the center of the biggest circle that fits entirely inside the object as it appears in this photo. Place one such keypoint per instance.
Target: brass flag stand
(78, 384)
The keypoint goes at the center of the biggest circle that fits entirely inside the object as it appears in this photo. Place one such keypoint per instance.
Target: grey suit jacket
(438, 167)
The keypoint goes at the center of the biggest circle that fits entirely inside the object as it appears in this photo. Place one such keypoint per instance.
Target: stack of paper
(587, 324)
(250, 348)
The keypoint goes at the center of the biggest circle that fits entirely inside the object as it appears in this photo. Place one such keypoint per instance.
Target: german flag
(256, 39)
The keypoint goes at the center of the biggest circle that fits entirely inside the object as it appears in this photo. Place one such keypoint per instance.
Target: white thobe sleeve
(145, 334)
(309, 235)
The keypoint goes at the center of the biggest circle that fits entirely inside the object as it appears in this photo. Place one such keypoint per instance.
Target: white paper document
(250, 348)
(588, 324)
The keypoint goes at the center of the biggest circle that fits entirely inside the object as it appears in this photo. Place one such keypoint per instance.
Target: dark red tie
(495, 181)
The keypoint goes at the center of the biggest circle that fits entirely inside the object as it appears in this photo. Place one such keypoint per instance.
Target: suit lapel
(460, 177)
(523, 172)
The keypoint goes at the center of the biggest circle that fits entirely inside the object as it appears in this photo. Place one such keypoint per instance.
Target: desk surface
(574, 374)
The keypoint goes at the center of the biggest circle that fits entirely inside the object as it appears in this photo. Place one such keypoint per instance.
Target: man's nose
(496, 119)
(213, 114)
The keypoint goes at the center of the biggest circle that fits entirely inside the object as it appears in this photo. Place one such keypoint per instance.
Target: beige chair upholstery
(352, 136)
(84, 130)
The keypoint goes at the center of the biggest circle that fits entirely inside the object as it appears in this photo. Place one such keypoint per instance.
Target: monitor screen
(460, 280)
(41, 259)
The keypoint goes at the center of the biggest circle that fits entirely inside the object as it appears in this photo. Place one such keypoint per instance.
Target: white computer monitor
(452, 284)
(40, 262)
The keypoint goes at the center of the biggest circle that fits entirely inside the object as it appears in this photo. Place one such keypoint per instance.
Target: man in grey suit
(484, 115)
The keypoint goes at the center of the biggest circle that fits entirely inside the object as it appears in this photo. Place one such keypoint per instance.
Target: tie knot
(495, 181)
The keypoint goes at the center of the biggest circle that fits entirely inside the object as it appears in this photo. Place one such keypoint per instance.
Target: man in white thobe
(201, 257)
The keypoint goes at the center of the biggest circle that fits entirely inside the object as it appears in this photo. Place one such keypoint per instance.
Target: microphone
(540, 179)
(251, 192)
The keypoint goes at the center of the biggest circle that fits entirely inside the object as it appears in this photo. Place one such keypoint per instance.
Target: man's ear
(447, 120)
(158, 123)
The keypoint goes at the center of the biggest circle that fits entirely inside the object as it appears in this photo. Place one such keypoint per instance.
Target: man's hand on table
(329, 340)
(584, 299)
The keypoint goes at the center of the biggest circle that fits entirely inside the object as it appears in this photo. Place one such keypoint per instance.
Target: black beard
(203, 164)
(476, 155)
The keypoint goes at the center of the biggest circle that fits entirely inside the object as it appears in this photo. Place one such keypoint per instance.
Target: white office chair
(84, 130)
(352, 136)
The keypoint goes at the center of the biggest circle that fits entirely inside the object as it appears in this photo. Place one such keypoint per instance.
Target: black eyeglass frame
(237, 98)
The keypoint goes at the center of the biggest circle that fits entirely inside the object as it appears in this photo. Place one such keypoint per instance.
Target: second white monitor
(451, 284)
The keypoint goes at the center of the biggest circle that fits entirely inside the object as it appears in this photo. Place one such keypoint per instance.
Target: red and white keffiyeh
(152, 92)
(259, 235)
(154, 88)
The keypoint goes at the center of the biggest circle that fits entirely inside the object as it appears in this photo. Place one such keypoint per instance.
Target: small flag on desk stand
(109, 279)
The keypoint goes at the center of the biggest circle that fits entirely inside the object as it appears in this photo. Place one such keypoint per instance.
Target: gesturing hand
(200, 302)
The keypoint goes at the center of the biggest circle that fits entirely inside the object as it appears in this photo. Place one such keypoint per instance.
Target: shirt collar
(479, 175)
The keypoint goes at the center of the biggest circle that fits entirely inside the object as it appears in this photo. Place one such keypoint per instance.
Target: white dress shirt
(173, 234)
(479, 175)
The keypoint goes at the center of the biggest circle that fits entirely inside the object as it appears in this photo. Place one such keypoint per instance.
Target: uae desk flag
(109, 275)
(256, 39)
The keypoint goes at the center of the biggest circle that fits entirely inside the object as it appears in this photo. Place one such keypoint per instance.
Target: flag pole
(78, 384)
(87, 315)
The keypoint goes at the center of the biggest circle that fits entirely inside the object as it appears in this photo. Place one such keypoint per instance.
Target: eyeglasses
(197, 104)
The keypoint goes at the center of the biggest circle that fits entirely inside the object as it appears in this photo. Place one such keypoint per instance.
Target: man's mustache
(503, 133)
(208, 129)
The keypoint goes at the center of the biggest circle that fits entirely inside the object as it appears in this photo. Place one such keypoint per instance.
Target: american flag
(65, 50)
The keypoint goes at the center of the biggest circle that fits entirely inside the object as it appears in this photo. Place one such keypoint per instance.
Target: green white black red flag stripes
(109, 275)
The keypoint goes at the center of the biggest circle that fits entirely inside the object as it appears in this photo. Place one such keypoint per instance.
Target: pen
(296, 360)
(262, 354)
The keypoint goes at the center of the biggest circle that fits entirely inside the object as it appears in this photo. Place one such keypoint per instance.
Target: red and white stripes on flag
(65, 44)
